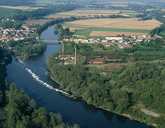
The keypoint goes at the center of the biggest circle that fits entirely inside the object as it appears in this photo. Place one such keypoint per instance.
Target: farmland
(93, 13)
(112, 26)
(21, 8)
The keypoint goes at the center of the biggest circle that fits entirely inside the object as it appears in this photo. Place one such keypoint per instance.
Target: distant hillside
(58, 1)
(16, 2)
(146, 1)
(83, 2)
(102, 2)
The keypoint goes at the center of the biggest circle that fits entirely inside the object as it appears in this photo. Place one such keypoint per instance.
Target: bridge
(53, 42)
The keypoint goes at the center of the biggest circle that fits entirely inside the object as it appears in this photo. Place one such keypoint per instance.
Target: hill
(16, 2)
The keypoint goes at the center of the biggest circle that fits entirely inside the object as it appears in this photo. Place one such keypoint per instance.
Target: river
(72, 111)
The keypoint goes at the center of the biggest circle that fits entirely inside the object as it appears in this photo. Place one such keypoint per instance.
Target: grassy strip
(86, 32)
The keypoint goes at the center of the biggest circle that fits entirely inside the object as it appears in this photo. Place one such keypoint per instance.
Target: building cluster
(120, 41)
(12, 34)
(66, 59)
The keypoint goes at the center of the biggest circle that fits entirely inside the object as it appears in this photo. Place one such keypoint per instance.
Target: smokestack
(62, 49)
(75, 55)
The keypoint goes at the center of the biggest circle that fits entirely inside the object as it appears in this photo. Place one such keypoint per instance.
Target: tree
(11, 109)
(40, 118)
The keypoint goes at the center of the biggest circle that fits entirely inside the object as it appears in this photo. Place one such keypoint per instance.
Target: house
(66, 59)
(114, 38)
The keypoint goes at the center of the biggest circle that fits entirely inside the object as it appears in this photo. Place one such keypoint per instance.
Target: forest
(136, 86)
(27, 48)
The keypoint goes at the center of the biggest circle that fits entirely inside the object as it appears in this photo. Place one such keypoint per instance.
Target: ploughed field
(112, 26)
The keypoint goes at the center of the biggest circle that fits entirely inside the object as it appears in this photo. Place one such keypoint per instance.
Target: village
(13, 33)
(122, 41)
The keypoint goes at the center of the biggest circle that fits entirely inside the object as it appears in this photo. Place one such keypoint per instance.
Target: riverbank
(99, 107)
(126, 115)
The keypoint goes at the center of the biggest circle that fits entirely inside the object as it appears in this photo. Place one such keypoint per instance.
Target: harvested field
(121, 23)
(112, 27)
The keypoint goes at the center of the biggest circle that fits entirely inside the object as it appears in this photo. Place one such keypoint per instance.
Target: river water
(72, 111)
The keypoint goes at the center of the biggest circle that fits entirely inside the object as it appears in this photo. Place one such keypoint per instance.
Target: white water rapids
(34, 76)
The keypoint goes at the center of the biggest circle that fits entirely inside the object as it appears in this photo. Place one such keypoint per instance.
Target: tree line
(18, 110)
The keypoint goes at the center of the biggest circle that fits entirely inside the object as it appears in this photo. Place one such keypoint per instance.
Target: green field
(86, 32)
(162, 33)
(6, 12)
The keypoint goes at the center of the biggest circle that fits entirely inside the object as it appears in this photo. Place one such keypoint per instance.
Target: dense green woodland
(138, 85)
(27, 48)
(17, 110)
